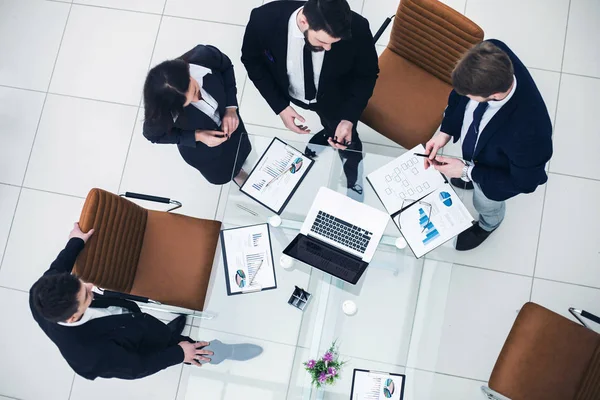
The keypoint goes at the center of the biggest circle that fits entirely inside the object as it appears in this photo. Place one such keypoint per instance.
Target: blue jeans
(491, 212)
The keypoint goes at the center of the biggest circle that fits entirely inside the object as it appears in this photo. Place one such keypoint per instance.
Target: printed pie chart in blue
(446, 198)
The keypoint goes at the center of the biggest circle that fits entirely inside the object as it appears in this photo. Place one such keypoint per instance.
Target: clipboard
(376, 385)
(248, 263)
(277, 175)
(440, 196)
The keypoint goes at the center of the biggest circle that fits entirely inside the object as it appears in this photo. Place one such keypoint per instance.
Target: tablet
(277, 175)
(376, 385)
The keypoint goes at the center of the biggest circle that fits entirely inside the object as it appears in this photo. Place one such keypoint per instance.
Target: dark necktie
(310, 91)
(104, 302)
(468, 145)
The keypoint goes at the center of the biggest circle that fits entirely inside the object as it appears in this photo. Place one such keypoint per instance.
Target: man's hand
(451, 167)
(211, 138)
(193, 353)
(433, 145)
(343, 135)
(77, 233)
(230, 121)
(288, 116)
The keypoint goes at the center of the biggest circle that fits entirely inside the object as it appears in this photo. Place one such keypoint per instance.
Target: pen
(427, 156)
(256, 273)
(247, 210)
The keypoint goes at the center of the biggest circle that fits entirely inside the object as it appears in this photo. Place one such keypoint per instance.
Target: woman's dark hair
(331, 16)
(55, 296)
(165, 88)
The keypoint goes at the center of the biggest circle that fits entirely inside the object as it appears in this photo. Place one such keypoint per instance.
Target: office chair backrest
(432, 36)
(116, 243)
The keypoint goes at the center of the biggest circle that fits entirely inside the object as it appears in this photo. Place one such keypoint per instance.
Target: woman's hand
(230, 121)
(210, 138)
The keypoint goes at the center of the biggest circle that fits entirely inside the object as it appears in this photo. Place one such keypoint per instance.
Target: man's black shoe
(471, 238)
(459, 183)
(176, 326)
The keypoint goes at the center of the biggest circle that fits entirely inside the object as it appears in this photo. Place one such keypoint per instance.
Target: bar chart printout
(276, 175)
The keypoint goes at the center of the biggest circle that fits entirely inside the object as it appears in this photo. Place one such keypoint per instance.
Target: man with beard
(318, 55)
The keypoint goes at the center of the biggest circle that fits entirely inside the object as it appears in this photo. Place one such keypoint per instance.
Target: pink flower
(328, 357)
(322, 377)
(331, 371)
(310, 364)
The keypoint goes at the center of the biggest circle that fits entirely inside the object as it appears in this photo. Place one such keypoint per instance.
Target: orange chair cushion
(176, 259)
(545, 357)
(110, 257)
(408, 103)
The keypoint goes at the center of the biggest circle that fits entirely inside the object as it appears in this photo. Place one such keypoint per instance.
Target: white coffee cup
(275, 221)
(286, 262)
(349, 307)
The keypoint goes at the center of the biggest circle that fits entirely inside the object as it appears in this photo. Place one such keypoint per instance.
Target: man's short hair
(483, 71)
(331, 16)
(55, 296)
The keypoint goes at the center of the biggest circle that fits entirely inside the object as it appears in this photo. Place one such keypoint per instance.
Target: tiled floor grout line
(69, 95)
(574, 176)
(465, 9)
(245, 336)
(10, 397)
(75, 3)
(568, 283)
(445, 374)
(34, 138)
(14, 289)
(205, 20)
(139, 107)
(53, 192)
(537, 247)
(477, 267)
(72, 384)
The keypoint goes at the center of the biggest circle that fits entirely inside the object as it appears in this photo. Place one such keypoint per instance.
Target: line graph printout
(276, 175)
(404, 178)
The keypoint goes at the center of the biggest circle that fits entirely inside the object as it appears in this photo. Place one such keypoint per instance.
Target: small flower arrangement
(326, 370)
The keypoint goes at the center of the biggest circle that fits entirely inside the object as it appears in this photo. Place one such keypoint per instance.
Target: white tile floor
(71, 74)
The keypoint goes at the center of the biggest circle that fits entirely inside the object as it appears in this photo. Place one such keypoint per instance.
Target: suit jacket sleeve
(452, 122)
(364, 76)
(212, 58)
(529, 151)
(164, 131)
(118, 362)
(254, 59)
(66, 258)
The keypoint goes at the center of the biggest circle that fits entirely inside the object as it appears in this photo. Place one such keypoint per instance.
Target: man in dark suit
(506, 133)
(320, 56)
(108, 337)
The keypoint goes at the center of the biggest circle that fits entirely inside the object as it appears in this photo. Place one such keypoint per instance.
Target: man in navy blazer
(498, 112)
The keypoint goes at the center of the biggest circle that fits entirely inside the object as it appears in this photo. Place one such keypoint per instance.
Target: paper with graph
(421, 203)
(433, 220)
(403, 179)
(276, 176)
(248, 259)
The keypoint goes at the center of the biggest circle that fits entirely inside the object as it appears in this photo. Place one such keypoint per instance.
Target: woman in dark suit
(191, 101)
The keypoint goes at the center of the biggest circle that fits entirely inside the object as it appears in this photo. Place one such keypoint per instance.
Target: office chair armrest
(580, 314)
(156, 199)
(382, 28)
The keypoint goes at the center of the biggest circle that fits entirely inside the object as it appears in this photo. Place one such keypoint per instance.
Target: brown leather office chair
(150, 254)
(547, 356)
(411, 93)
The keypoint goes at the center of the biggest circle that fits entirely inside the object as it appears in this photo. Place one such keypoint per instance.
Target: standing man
(320, 56)
(506, 132)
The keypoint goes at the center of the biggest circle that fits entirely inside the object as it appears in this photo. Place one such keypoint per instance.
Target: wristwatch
(464, 175)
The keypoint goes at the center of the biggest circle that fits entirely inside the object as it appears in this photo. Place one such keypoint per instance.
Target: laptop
(339, 235)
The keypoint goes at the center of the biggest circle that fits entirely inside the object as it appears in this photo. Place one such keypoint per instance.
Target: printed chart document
(248, 259)
(420, 201)
(277, 175)
(373, 385)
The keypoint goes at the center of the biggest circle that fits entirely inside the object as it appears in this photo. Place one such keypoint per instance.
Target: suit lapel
(492, 127)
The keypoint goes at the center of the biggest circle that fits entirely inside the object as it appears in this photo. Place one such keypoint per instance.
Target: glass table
(376, 337)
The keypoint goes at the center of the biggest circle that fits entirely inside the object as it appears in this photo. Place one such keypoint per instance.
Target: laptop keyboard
(341, 232)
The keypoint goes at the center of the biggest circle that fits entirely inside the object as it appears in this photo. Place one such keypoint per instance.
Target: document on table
(372, 385)
(277, 175)
(433, 220)
(404, 178)
(248, 259)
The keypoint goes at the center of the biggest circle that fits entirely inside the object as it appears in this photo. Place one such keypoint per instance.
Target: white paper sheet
(376, 386)
(277, 174)
(449, 217)
(248, 257)
(404, 178)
